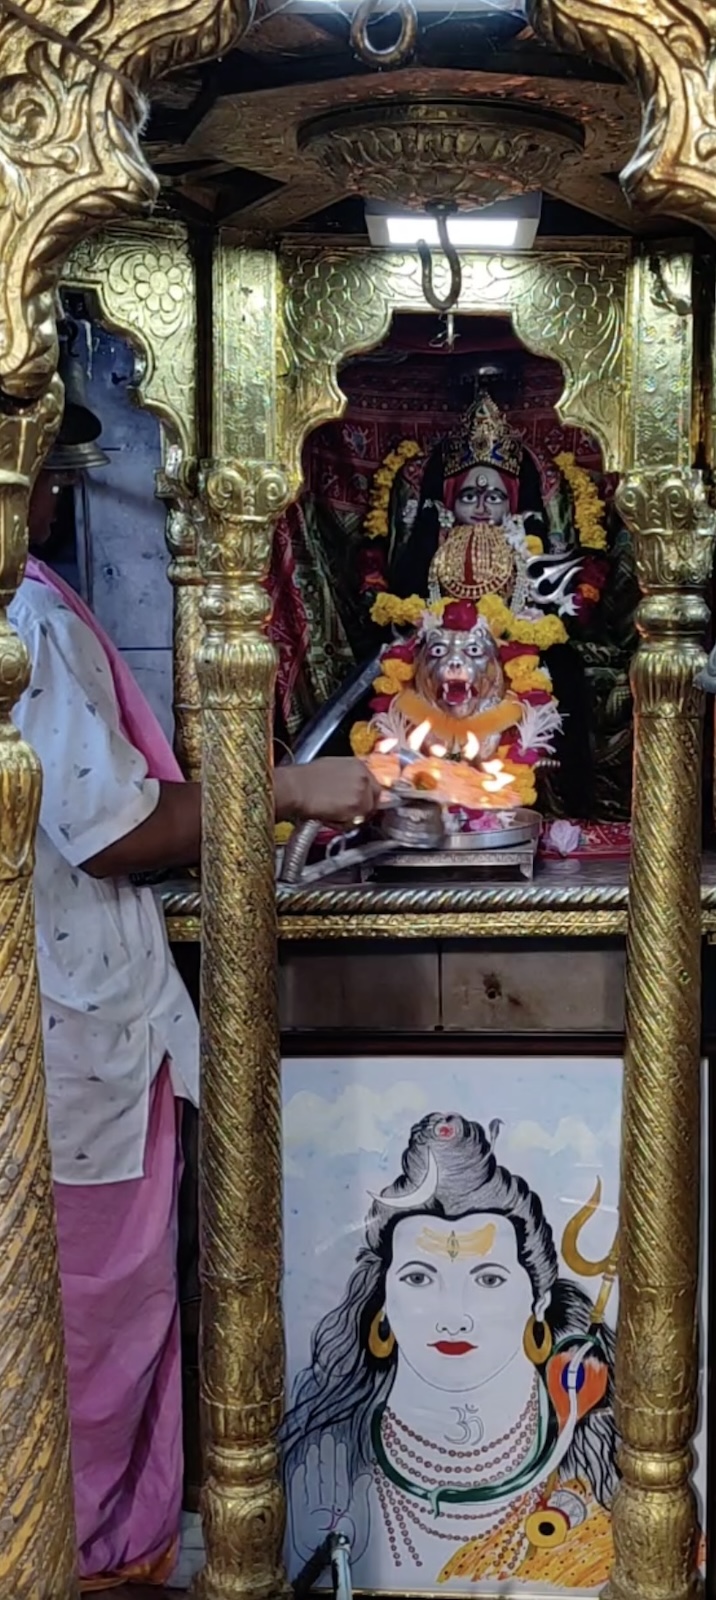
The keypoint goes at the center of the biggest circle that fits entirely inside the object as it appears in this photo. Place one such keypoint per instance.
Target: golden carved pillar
(177, 485)
(242, 1356)
(69, 146)
(185, 577)
(37, 1549)
(657, 1370)
(242, 1347)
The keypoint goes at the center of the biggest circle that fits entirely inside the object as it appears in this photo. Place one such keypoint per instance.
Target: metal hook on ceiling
(393, 55)
(446, 336)
(449, 301)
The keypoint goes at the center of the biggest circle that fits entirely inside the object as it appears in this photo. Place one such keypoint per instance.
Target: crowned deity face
(457, 1298)
(482, 497)
(459, 671)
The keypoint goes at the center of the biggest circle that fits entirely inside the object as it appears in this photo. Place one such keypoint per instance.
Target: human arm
(333, 791)
(100, 808)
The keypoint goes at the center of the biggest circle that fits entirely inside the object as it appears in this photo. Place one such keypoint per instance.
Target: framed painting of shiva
(451, 1294)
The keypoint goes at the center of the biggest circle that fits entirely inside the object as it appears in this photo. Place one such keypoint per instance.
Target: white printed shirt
(113, 1003)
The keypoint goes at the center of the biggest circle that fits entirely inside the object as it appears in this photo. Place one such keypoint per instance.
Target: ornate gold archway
(71, 159)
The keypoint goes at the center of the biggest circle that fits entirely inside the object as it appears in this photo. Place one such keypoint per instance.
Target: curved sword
(320, 729)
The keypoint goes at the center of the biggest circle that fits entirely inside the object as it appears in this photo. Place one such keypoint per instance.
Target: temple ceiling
(230, 145)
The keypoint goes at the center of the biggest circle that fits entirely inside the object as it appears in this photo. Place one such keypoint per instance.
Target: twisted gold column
(37, 1537)
(655, 1526)
(242, 1351)
(185, 578)
(176, 485)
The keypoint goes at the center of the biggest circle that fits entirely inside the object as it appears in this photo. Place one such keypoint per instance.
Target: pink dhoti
(118, 1268)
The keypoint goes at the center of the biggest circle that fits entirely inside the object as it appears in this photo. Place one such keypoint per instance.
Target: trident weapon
(579, 1264)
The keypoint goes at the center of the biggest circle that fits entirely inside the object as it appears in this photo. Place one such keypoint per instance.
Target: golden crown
(483, 439)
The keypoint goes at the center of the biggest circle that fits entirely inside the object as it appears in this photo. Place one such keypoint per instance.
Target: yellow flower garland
(524, 674)
(588, 508)
(376, 521)
(390, 610)
(363, 738)
(523, 777)
(543, 632)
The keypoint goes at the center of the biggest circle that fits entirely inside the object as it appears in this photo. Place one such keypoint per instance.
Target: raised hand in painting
(338, 790)
(321, 1501)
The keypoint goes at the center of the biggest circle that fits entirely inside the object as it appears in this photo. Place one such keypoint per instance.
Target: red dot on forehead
(445, 1131)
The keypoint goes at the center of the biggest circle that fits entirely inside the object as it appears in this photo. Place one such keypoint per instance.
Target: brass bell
(75, 448)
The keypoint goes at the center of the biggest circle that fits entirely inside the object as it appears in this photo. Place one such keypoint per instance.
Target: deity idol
(470, 546)
(469, 539)
(456, 1419)
(466, 699)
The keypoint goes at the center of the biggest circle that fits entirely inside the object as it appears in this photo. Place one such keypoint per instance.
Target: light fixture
(510, 225)
(464, 232)
(478, 9)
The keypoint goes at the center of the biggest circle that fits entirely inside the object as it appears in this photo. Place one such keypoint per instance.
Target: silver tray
(525, 828)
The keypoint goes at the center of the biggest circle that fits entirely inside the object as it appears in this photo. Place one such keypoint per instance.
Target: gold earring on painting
(537, 1341)
(381, 1339)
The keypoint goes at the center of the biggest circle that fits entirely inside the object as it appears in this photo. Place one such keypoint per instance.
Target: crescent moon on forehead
(417, 1197)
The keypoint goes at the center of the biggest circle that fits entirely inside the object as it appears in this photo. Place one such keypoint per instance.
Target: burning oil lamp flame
(438, 750)
(498, 778)
(471, 747)
(418, 736)
(385, 746)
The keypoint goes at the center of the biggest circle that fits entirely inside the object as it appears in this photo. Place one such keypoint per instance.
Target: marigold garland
(588, 508)
(524, 675)
(543, 632)
(363, 738)
(389, 610)
(522, 776)
(376, 520)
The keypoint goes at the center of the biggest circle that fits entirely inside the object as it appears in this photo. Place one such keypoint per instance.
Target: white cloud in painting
(571, 1135)
(359, 1119)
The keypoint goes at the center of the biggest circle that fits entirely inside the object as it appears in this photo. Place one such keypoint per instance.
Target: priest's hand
(338, 790)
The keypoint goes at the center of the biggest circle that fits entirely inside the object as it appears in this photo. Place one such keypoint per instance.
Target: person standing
(121, 1043)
